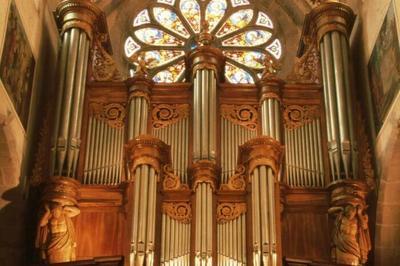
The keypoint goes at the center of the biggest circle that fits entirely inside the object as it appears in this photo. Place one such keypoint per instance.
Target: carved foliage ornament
(172, 182)
(307, 68)
(243, 115)
(112, 113)
(296, 116)
(103, 66)
(227, 211)
(237, 182)
(164, 115)
(180, 211)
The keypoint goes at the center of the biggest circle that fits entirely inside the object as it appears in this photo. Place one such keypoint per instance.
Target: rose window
(163, 33)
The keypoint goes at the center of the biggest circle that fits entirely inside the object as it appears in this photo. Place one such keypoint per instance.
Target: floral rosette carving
(172, 182)
(227, 211)
(237, 182)
(296, 116)
(180, 211)
(164, 115)
(112, 113)
(243, 115)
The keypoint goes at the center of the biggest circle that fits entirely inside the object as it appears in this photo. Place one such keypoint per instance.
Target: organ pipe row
(177, 136)
(175, 242)
(271, 118)
(138, 117)
(231, 237)
(304, 161)
(104, 153)
(232, 136)
(339, 113)
(68, 114)
(144, 216)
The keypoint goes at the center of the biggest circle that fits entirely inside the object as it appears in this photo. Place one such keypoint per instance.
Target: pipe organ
(204, 172)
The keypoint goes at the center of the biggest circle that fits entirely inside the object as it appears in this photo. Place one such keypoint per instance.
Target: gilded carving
(261, 151)
(237, 182)
(307, 68)
(271, 67)
(112, 113)
(180, 211)
(204, 171)
(243, 115)
(104, 67)
(56, 235)
(164, 115)
(296, 115)
(350, 237)
(146, 149)
(227, 211)
(172, 182)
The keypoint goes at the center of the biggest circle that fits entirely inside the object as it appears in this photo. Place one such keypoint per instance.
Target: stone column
(76, 19)
(147, 156)
(206, 63)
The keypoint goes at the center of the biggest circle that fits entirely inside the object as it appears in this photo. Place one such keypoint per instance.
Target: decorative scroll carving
(350, 239)
(146, 149)
(261, 151)
(56, 235)
(112, 113)
(229, 211)
(104, 67)
(172, 182)
(296, 115)
(237, 182)
(164, 115)
(204, 171)
(180, 211)
(243, 115)
(307, 68)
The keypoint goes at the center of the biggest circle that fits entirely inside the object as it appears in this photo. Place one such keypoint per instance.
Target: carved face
(56, 210)
(350, 211)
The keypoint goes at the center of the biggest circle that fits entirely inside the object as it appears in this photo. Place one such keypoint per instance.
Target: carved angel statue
(271, 67)
(141, 64)
(56, 234)
(351, 240)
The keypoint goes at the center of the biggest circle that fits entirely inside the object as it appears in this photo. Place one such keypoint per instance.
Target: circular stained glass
(163, 33)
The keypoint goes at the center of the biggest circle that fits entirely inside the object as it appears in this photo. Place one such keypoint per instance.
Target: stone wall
(16, 143)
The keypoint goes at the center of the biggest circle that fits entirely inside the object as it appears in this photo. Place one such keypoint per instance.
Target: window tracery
(166, 30)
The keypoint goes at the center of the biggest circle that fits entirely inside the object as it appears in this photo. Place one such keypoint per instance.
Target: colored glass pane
(247, 58)
(153, 36)
(214, 12)
(237, 75)
(168, 2)
(236, 21)
(191, 11)
(158, 58)
(171, 74)
(131, 47)
(170, 20)
(275, 48)
(236, 3)
(248, 38)
(142, 18)
(264, 20)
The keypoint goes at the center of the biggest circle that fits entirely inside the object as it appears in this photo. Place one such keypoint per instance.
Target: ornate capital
(204, 171)
(146, 149)
(63, 190)
(164, 115)
(77, 14)
(139, 86)
(261, 151)
(237, 182)
(227, 211)
(329, 16)
(206, 57)
(348, 191)
(172, 182)
(270, 88)
(180, 211)
(243, 115)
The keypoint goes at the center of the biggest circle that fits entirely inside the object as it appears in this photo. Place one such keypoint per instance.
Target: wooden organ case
(211, 173)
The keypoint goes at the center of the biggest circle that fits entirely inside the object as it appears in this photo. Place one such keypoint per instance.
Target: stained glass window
(167, 29)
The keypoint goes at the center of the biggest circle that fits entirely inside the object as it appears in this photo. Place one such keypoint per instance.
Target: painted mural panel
(384, 67)
(17, 65)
